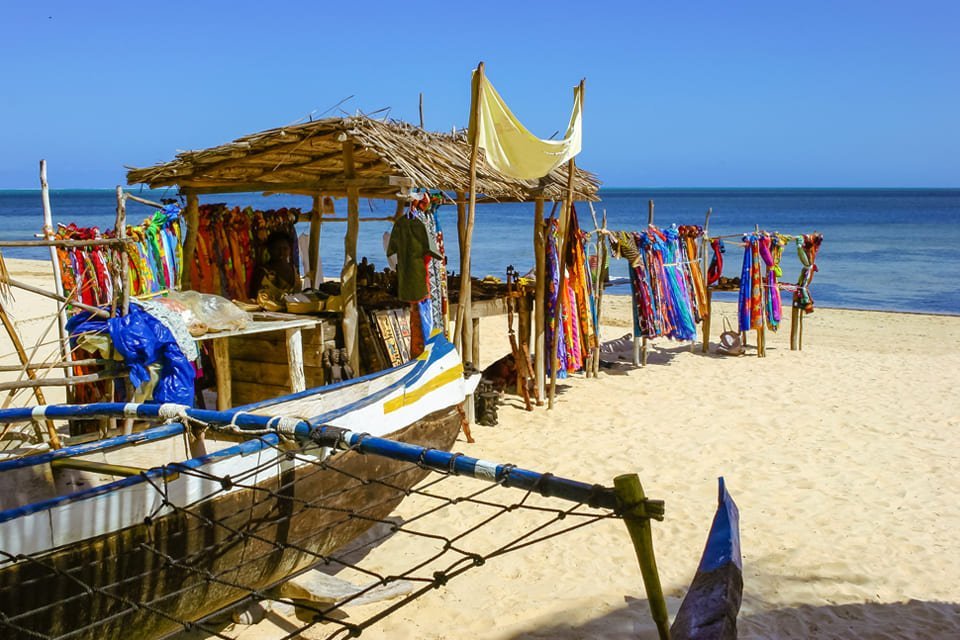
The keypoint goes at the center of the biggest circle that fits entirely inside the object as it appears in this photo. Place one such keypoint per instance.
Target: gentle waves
(885, 249)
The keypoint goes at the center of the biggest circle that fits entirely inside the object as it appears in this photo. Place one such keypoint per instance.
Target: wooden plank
(295, 357)
(247, 392)
(221, 362)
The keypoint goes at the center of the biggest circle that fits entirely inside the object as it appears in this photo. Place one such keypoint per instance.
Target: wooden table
(496, 307)
(291, 324)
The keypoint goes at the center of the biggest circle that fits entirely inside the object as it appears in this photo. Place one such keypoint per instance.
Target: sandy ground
(842, 458)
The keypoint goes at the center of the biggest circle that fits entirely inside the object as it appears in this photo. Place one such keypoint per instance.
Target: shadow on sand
(915, 619)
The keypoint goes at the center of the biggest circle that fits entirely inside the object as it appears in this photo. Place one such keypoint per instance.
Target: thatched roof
(309, 158)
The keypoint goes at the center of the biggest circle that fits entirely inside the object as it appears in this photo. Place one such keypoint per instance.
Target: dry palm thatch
(309, 158)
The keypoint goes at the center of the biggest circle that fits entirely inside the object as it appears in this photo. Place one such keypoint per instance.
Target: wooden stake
(421, 110)
(630, 492)
(539, 313)
(643, 349)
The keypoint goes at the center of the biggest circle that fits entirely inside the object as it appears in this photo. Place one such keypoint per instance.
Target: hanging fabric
(808, 246)
(509, 147)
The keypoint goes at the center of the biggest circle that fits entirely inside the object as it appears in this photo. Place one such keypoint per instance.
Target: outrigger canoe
(90, 532)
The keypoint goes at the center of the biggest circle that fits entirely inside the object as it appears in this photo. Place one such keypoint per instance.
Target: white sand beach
(842, 458)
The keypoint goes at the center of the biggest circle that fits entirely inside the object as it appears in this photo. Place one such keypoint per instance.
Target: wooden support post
(313, 251)
(464, 311)
(190, 239)
(561, 288)
(48, 234)
(475, 340)
(704, 266)
(456, 336)
(348, 275)
(643, 357)
(121, 230)
(298, 381)
(221, 362)
(794, 327)
(630, 492)
(539, 308)
(760, 351)
(705, 330)
(800, 315)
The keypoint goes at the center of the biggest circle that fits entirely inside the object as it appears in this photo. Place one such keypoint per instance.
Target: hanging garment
(750, 302)
(409, 241)
(509, 147)
(808, 246)
(555, 338)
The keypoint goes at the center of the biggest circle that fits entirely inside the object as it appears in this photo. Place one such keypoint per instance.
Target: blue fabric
(143, 340)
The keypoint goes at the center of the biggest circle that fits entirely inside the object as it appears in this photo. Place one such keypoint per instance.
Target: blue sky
(727, 94)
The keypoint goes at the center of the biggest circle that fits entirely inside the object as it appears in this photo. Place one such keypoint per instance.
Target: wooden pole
(421, 110)
(25, 361)
(48, 234)
(464, 311)
(348, 276)
(313, 255)
(190, 239)
(602, 260)
(794, 327)
(643, 356)
(561, 288)
(630, 492)
(704, 266)
(539, 246)
(100, 313)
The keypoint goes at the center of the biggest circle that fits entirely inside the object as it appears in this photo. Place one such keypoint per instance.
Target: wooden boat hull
(195, 561)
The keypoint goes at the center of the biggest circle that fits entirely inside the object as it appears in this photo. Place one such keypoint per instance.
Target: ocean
(883, 249)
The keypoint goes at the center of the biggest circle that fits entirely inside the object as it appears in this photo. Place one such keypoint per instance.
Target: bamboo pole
(57, 275)
(630, 493)
(190, 239)
(539, 246)
(24, 360)
(149, 203)
(464, 311)
(348, 275)
(100, 313)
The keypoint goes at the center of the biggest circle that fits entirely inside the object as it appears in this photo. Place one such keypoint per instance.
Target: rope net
(191, 567)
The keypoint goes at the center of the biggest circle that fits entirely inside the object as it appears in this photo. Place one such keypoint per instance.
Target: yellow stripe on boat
(408, 398)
